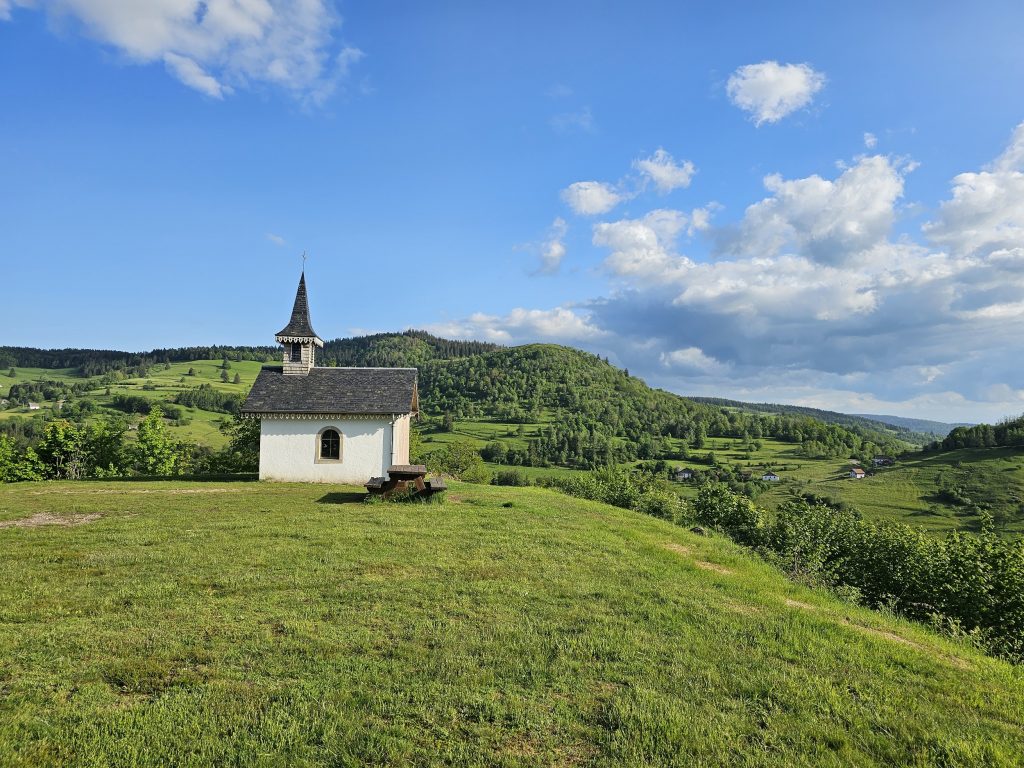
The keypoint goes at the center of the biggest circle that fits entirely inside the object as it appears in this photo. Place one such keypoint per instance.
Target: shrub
(512, 477)
(459, 460)
(972, 584)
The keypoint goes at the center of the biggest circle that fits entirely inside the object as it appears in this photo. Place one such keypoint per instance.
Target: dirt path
(45, 518)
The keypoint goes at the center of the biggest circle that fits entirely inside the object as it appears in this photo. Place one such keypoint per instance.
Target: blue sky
(794, 202)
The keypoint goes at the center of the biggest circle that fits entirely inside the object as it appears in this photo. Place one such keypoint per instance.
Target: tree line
(101, 448)
(1009, 432)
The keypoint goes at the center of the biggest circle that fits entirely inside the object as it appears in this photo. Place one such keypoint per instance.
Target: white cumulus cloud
(691, 359)
(553, 248)
(590, 198)
(831, 221)
(192, 75)
(643, 247)
(769, 91)
(215, 46)
(986, 211)
(662, 169)
(522, 326)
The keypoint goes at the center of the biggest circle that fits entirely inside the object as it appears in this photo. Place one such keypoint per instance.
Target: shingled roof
(299, 326)
(333, 390)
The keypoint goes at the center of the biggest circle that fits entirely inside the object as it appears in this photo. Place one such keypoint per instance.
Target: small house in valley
(683, 475)
(328, 425)
(770, 477)
(857, 473)
(884, 461)
(34, 406)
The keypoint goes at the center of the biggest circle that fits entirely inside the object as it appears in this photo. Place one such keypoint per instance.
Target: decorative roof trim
(300, 340)
(313, 416)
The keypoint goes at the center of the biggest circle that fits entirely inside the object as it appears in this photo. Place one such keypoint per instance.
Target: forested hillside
(1006, 433)
(588, 403)
(905, 432)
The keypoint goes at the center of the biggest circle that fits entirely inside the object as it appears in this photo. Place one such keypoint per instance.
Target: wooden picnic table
(406, 478)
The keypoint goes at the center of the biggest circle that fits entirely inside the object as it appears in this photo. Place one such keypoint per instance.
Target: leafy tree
(104, 441)
(15, 466)
(8, 459)
(209, 399)
(156, 453)
(12, 373)
(224, 376)
(191, 371)
(416, 452)
(459, 460)
(242, 453)
(238, 378)
(62, 450)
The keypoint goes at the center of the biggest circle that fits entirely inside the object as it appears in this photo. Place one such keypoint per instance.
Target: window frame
(319, 458)
(295, 353)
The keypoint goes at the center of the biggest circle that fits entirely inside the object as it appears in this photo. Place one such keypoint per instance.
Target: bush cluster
(624, 488)
(974, 583)
(69, 450)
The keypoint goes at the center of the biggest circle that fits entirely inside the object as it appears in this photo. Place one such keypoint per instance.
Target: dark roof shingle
(333, 390)
(299, 325)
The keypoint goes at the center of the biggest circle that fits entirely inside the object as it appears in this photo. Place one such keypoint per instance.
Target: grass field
(256, 624)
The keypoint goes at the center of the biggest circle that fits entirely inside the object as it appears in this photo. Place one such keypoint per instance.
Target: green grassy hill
(252, 624)
(990, 479)
(161, 384)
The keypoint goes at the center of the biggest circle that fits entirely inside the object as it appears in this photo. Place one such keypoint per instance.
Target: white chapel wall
(288, 450)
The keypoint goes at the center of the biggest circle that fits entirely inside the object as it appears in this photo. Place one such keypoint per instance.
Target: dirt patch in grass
(681, 549)
(741, 608)
(715, 567)
(884, 635)
(797, 604)
(45, 518)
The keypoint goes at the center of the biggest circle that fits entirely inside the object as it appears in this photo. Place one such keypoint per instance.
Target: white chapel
(328, 425)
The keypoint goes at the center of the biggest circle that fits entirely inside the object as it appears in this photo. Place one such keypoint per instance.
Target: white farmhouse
(328, 425)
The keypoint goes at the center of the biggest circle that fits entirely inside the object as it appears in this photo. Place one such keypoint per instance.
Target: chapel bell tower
(298, 337)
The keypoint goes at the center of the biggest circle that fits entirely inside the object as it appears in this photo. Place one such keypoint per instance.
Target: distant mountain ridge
(938, 428)
(874, 423)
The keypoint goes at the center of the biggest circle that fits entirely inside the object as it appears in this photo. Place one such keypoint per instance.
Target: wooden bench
(406, 478)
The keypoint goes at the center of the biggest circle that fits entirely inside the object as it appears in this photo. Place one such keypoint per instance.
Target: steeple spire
(298, 337)
(299, 325)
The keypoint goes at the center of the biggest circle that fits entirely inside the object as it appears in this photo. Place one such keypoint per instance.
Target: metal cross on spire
(303, 261)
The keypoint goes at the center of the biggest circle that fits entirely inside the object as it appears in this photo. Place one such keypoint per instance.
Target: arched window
(329, 448)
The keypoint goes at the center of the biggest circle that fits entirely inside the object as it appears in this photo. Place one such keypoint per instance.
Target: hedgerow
(967, 584)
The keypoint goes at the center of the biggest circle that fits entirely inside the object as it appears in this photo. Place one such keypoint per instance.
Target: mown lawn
(256, 624)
